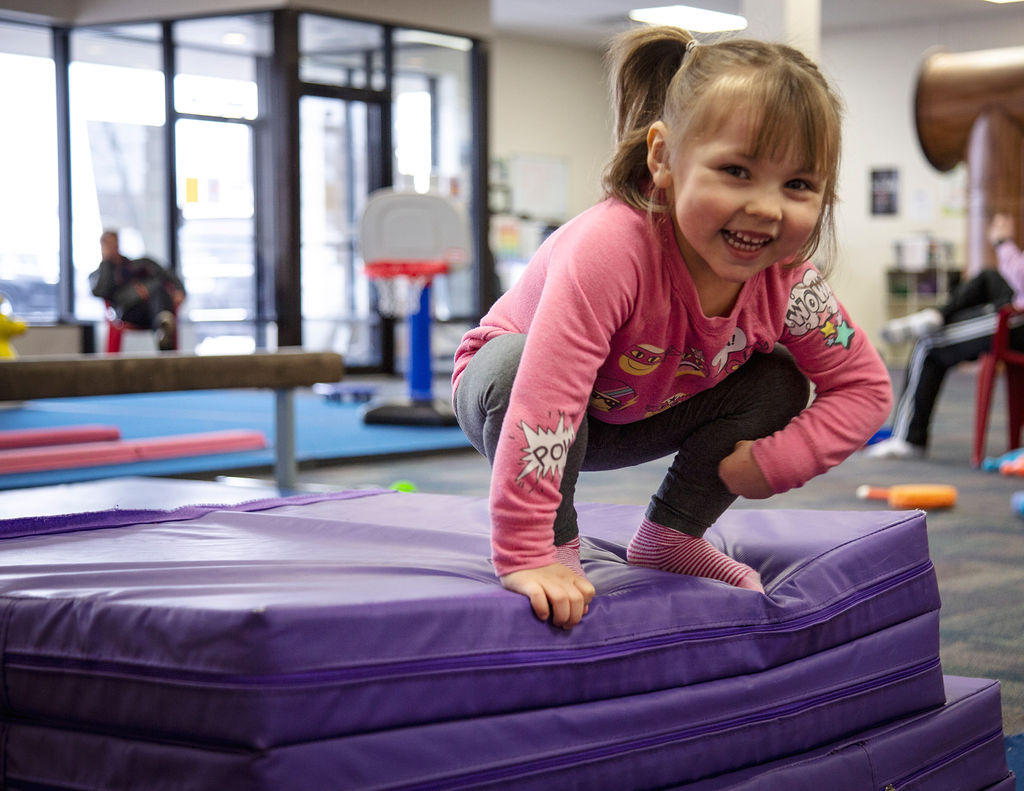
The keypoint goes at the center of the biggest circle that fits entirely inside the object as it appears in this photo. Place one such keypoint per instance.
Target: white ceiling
(591, 22)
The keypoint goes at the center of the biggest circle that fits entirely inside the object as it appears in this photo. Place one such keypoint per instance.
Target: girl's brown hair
(658, 74)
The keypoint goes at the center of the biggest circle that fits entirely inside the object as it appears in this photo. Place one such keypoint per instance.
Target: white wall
(876, 73)
(552, 100)
(39, 10)
(470, 17)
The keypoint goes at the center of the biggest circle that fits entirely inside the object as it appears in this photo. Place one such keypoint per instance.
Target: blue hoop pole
(420, 373)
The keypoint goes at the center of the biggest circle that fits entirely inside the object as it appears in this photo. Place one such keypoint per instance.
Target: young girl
(647, 326)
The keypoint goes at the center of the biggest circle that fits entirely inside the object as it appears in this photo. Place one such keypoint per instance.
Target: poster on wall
(953, 198)
(885, 191)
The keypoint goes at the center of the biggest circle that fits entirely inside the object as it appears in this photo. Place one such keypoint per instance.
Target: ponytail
(642, 62)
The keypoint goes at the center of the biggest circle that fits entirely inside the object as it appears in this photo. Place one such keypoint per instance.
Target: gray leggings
(759, 398)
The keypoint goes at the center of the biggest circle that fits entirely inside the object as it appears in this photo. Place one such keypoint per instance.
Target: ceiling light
(699, 20)
(435, 40)
(1004, 1)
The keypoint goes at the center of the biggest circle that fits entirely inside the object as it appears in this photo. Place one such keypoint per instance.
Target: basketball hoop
(407, 239)
(400, 284)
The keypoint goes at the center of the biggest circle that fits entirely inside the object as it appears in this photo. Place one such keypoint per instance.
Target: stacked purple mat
(361, 641)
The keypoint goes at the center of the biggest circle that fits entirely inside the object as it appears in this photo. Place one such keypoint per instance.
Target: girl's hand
(554, 592)
(741, 475)
(1000, 228)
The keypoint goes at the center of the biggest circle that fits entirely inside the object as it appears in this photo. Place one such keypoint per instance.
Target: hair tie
(691, 45)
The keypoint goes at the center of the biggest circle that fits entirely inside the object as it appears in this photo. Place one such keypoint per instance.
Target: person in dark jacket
(140, 291)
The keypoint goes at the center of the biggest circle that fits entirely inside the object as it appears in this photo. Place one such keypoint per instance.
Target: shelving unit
(910, 290)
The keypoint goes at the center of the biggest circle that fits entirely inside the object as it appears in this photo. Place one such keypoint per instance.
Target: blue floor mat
(1015, 757)
(324, 430)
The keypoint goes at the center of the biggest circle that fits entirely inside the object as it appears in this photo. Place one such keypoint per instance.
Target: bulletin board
(540, 186)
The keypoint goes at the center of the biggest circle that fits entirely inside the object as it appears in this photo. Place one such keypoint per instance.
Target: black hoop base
(410, 412)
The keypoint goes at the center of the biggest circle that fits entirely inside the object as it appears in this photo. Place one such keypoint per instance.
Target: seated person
(967, 322)
(140, 291)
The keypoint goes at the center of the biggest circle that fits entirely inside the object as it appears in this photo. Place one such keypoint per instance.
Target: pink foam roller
(61, 435)
(91, 454)
(199, 444)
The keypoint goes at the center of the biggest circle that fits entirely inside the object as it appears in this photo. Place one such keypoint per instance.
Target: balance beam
(66, 376)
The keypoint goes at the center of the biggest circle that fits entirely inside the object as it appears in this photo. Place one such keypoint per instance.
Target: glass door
(118, 154)
(217, 233)
(334, 151)
(217, 104)
(29, 244)
(433, 145)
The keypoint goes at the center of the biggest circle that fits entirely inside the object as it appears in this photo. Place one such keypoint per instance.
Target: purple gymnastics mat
(360, 640)
(955, 747)
(958, 746)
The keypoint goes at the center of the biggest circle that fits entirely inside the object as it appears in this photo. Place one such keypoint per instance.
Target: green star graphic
(844, 332)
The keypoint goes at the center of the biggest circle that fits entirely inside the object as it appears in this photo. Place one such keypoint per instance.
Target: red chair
(1013, 361)
(117, 327)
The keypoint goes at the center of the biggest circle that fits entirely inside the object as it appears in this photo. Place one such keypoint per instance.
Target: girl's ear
(658, 155)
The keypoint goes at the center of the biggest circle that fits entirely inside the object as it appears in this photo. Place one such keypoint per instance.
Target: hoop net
(400, 283)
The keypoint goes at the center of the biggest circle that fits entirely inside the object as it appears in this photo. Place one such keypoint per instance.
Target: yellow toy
(9, 327)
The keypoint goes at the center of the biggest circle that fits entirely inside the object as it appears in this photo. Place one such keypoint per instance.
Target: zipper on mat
(461, 663)
(944, 760)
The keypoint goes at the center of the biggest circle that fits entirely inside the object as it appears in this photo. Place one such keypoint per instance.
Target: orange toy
(1014, 466)
(913, 495)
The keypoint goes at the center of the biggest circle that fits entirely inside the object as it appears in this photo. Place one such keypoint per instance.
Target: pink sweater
(614, 329)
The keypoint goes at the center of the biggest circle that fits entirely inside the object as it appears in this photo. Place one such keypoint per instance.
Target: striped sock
(658, 547)
(568, 555)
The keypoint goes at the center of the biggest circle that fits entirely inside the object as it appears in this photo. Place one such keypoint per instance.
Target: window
(217, 99)
(341, 64)
(216, 234)
(341, 52)
(334, 148)
(184, 166)
(30, 241)
(118, 151)
(216, 63)
(433, 136)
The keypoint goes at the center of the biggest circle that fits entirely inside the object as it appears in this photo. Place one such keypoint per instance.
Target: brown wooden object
(969, 106)
(89, 375)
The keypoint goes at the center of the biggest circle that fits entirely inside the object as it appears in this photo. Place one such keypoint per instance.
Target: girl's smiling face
(734, 213)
